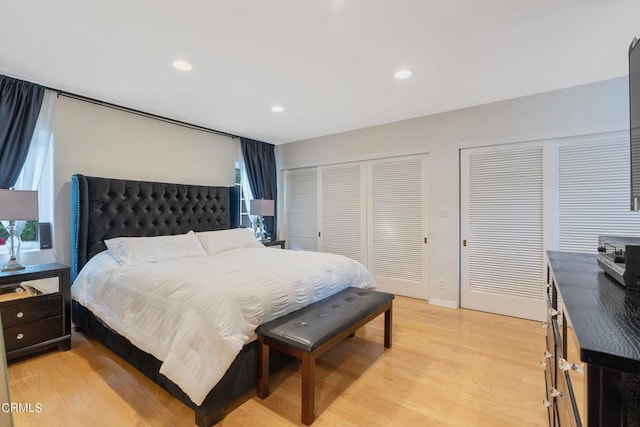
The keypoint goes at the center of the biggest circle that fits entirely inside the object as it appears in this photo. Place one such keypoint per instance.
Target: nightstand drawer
(41, 319)
(32, 333)
(30, 310)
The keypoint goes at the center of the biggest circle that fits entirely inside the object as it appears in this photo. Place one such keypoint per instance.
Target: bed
(109, 211)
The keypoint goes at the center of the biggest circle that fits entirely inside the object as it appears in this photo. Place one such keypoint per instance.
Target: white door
(301, 207)
(374, 212)
(341, 211)
(397, 225)
(593, 191)
(502, 263)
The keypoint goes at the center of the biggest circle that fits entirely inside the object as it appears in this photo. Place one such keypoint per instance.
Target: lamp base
(13, 265)
(259, 228)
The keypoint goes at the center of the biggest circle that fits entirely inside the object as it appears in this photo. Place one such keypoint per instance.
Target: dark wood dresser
(606, 320)
(35, 309)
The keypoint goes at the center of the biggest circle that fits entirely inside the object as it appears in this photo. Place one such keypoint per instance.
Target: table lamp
(16, 205)
(261, 208)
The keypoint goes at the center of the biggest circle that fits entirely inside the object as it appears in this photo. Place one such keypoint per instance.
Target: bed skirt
(239, 378)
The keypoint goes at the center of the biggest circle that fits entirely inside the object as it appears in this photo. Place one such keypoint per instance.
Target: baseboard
(443, 303)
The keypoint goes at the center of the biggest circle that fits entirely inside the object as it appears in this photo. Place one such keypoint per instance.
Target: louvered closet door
(593, 191)
(397, 225)
(342, 211)
(301, 209)
(502, 266)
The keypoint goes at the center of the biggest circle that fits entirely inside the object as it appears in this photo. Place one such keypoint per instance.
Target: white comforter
(195, 314)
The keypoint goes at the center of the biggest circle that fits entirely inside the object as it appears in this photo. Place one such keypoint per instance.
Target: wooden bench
(311, 331)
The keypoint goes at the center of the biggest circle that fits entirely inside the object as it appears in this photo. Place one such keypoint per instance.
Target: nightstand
(274, 243)
(35, 306)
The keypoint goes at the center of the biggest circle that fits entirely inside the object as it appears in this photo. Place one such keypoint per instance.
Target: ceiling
(329, 63)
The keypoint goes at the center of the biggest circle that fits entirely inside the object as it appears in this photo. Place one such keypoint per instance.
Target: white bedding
(195, 314)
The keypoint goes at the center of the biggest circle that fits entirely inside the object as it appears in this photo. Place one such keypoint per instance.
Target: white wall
(100, 141)
(586, 109)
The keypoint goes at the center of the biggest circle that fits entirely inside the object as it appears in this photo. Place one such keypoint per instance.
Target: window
(245, 221)
(37, 174)
(28, 234)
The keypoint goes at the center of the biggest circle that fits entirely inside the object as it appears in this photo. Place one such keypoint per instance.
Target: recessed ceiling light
(277, 108)
(181, 65)
(402, 74)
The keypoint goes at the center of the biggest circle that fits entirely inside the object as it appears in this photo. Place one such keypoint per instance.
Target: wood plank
(308, 388)
(446, 368)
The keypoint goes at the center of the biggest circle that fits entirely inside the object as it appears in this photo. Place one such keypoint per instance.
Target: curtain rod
(140, 113)
(61, 92)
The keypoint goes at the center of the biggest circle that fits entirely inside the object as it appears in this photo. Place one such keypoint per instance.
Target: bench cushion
(310, 327)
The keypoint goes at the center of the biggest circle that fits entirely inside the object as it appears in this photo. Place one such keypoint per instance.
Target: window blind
(396, 206)
(342, 211)
(594, 192)
(505, 222)
(301, 209)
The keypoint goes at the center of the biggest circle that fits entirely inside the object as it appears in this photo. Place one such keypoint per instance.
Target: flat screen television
(634, 121)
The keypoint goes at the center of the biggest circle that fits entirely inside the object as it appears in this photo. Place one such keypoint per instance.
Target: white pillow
(215, 242)
(138, 250)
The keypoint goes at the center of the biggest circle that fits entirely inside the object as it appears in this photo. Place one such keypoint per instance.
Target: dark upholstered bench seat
(311, 331)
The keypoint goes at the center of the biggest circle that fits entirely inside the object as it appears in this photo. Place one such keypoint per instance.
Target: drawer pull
(19, 336)
(548, 354)
(564, 365)
(19, 314)
(544, 324)
(555, 392)
(544, 364)
(547, 404)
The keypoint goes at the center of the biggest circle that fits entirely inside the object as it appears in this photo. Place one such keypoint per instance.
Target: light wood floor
(446, 368)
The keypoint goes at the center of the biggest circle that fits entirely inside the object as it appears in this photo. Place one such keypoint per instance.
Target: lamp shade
(18, 205)
(261, 207)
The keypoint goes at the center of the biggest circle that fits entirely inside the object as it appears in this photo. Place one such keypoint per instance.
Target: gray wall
(101, 141)
(586, 109)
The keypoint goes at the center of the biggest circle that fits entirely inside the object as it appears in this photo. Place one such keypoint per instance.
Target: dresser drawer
(548, 401)
(30, 310)
(566, 405)
(32, 333)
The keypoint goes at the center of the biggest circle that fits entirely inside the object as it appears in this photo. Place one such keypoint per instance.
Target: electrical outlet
(440, 284)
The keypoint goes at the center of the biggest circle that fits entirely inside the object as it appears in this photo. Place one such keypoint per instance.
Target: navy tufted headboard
(104, 208)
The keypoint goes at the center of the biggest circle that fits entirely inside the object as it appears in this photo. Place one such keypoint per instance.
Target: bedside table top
(41, 270)
(273, 242)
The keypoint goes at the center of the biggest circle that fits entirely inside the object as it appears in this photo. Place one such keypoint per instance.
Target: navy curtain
(20, 104)
(260, 161)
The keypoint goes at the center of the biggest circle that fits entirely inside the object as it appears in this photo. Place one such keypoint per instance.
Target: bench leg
(263, 368)
(387, 327)
(308, 388)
